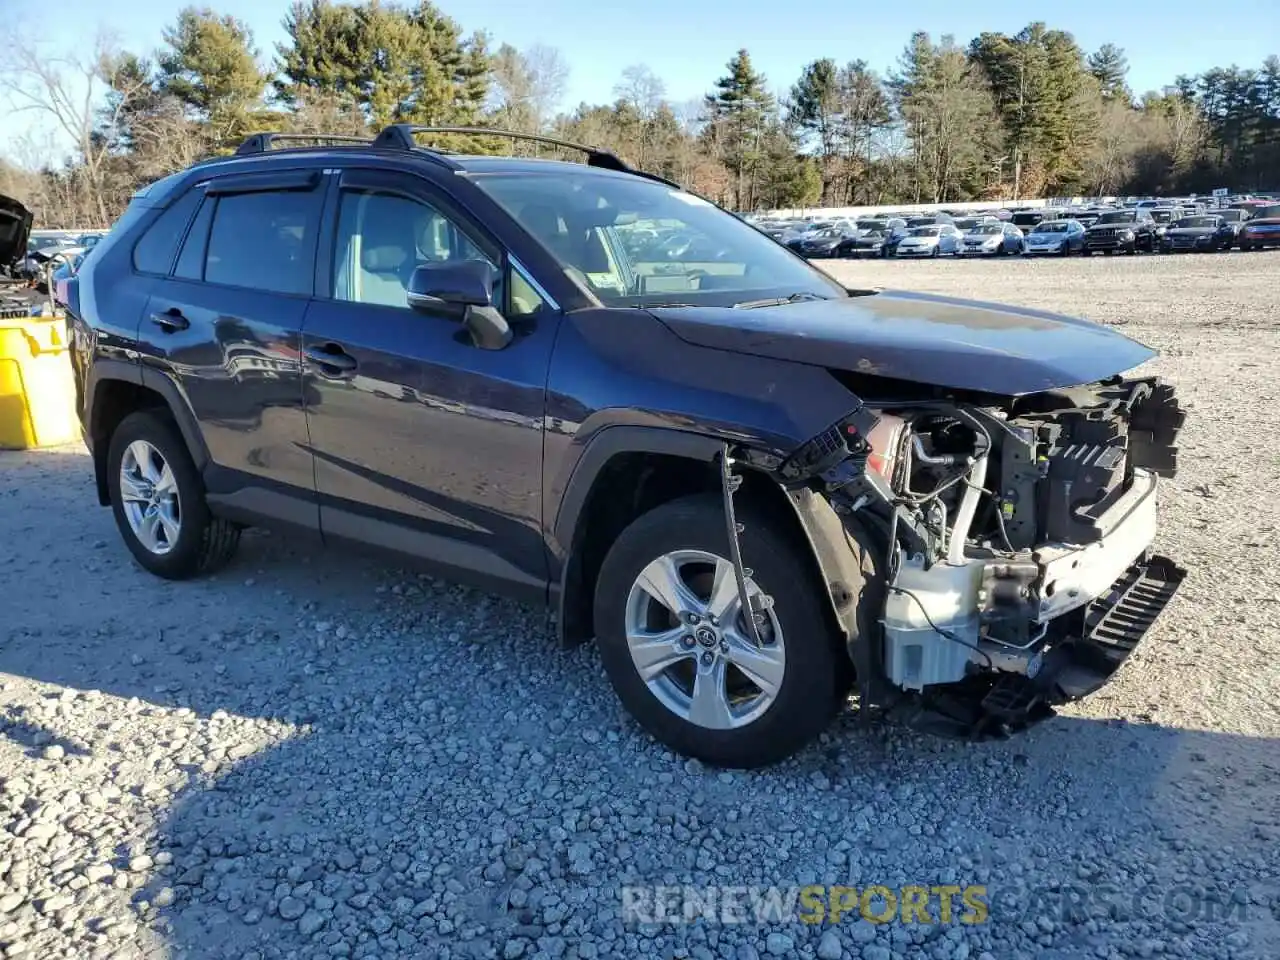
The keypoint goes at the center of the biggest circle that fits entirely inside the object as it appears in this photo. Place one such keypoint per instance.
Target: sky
(688, 42)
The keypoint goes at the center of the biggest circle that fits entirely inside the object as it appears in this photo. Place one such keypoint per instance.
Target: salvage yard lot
(317, 755)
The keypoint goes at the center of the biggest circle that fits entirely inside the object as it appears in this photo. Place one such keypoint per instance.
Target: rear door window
(264, 240)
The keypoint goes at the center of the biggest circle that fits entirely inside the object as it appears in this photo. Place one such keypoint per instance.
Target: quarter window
(155, 249)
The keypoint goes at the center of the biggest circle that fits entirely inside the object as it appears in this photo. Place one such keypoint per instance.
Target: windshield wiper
(776, 301)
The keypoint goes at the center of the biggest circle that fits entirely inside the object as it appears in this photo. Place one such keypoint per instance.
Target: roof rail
(400, 136)
(262, 142)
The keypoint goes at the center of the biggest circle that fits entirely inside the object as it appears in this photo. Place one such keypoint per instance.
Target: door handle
(171, 320)
(331, 358)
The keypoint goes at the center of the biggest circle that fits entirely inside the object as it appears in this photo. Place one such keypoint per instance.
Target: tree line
(1024, 115)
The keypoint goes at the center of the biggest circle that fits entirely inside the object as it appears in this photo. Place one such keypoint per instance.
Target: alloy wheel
(691, 644)
(149, 495)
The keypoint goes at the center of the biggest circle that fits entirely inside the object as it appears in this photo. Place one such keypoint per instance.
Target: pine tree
(739, 112)
(816, 112)
(399, 64)
(210, 64)
(1110, 67)
(948, 115)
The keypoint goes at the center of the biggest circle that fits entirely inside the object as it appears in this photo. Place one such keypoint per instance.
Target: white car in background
(931, 241)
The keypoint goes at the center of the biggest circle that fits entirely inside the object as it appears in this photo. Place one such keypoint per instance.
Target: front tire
(157, 498)
(691, 676)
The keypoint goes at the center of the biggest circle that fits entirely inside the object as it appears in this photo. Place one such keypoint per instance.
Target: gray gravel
(314, 755)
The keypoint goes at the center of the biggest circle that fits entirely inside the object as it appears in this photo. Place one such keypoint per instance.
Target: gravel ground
(315, 755)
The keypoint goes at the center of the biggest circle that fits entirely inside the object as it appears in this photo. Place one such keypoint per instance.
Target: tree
(64, 90)
(948, 115)
(738, 113)
(525, 86)
(817, 113)
(641, 98)
(1045, 98)
(211, 66)
(397, 64)
(1110, 67)
(865, 114)
(321, 55)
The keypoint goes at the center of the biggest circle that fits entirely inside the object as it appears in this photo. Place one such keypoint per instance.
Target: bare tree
(67, 92)
(526, 86)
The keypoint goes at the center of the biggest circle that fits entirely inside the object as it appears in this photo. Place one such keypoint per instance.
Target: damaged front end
(990, 560)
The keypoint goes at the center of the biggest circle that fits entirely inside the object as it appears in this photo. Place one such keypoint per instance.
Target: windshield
(871, 224)
(989, 228)
(1027, 219)
(921, 222)
(831, 234)
(1120, 216)
(1233, 216)
(968, 223)
(1056, 227)
(636, 241)
(1197, 222)
(925, 232)
(1162, 216)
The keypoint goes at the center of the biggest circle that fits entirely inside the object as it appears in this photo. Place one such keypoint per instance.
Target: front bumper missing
(1090, 645)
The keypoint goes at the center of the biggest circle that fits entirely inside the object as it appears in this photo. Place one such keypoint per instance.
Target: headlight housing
(1126, 234)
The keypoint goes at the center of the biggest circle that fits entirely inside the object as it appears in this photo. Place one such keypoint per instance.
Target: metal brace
(755, 606)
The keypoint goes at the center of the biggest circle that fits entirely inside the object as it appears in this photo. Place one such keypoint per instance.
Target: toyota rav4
(757, 491)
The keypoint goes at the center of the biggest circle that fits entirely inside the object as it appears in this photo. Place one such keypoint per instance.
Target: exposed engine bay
(1017, 542)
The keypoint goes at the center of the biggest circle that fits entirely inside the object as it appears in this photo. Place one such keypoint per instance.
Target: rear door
(424, 443)
(224, 328)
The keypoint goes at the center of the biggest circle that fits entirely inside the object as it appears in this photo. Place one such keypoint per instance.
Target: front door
(424, 443)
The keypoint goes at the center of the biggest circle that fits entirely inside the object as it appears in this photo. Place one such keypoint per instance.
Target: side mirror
(462, 290)
(436, 287)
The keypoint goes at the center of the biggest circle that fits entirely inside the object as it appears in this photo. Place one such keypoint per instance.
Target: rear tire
(808, 687)
(185, 540)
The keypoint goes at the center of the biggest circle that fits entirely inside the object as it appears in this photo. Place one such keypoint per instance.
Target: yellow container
(37, 393)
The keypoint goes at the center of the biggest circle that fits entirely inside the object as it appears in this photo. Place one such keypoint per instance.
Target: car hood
(1263, 222)
(15, 227)
(1125, 225)
(1191, 231)
(934, 340)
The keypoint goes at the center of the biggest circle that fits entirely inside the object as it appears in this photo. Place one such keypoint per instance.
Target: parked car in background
(991, 239)
(1233, 221)
(1026, 219)
(931, 241)
(1163, 216)
(966, 224)
(824, 243)
(895, 230)
(868, 243)
(1126, 231)
(928, 220)
(1262, 229)
(1061, 237)
(1197, 234)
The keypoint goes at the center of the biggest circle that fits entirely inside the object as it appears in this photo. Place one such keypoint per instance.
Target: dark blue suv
(584, 386)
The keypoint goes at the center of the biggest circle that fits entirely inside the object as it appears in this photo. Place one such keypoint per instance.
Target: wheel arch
(627, 470)
(120, 390)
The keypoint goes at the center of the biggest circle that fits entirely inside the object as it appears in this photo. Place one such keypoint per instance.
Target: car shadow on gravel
(381, 764)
